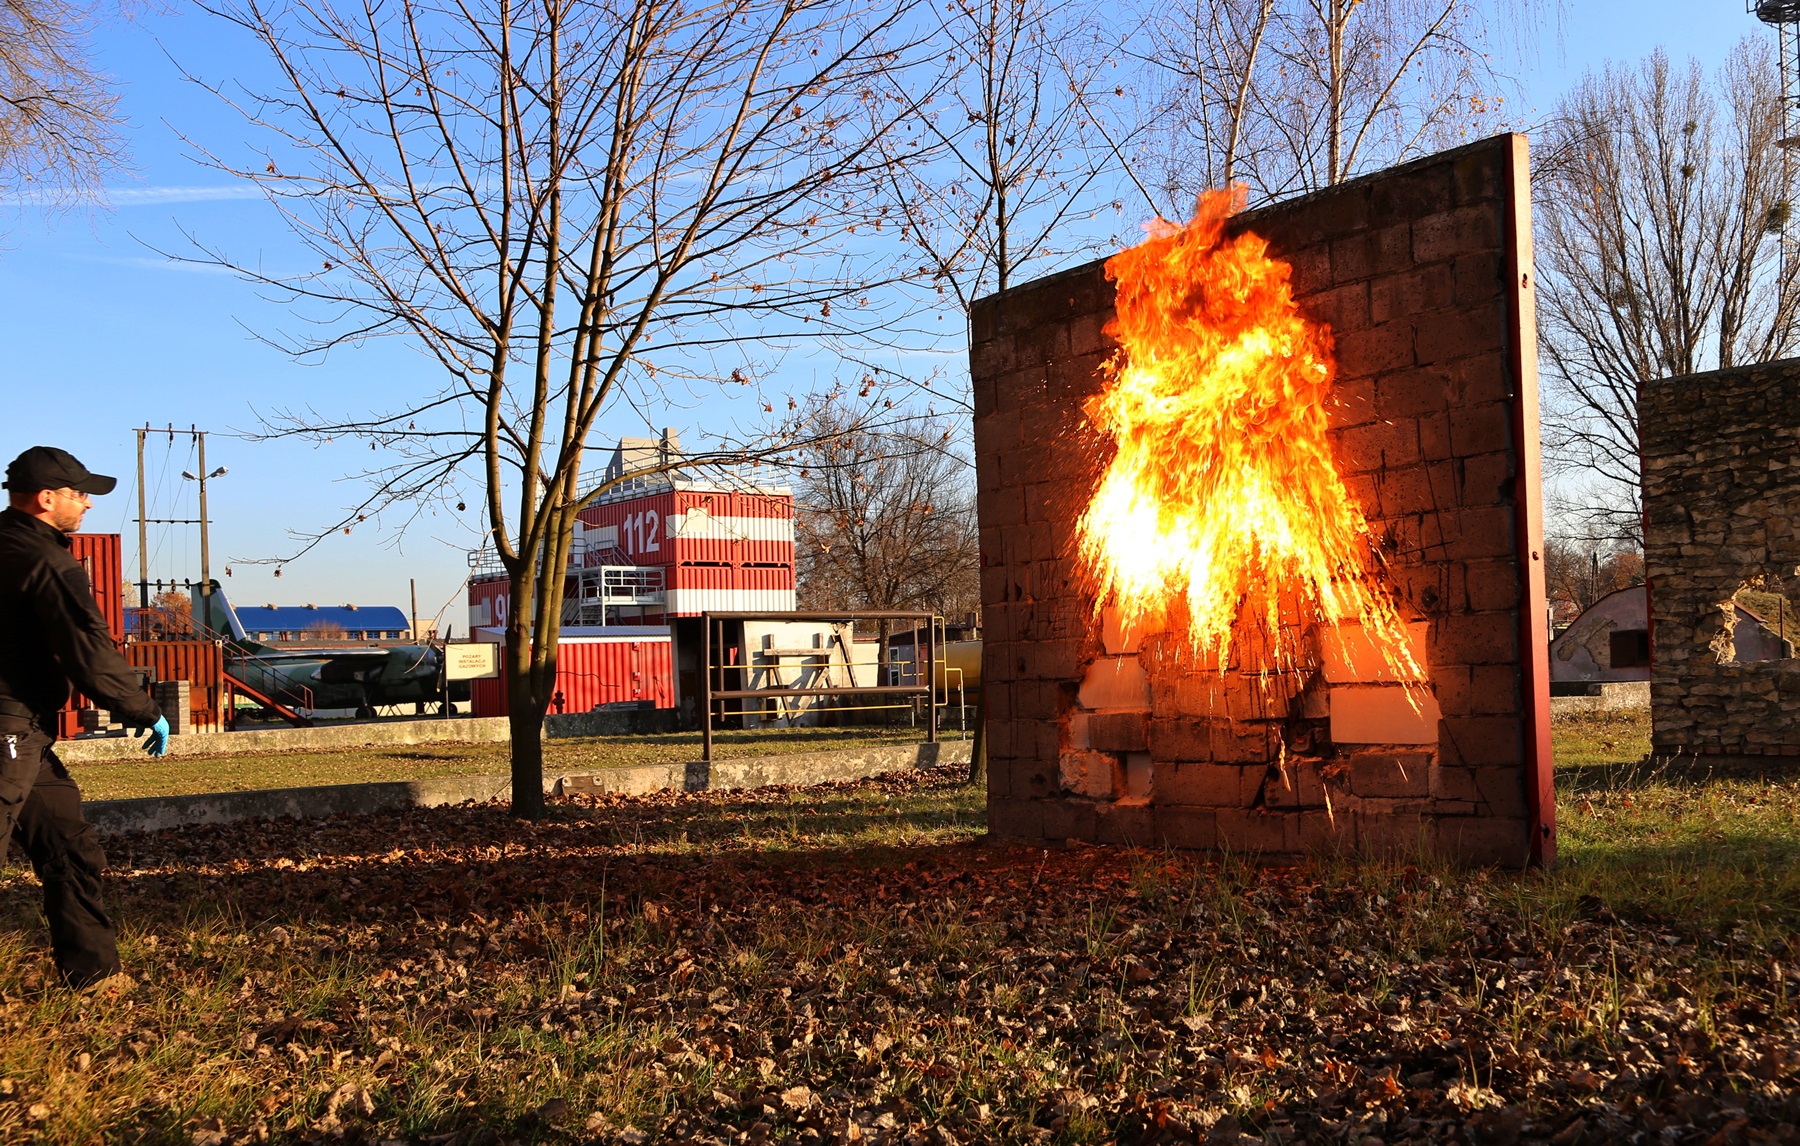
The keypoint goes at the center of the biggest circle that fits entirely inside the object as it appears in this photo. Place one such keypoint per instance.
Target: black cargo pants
(40, 806)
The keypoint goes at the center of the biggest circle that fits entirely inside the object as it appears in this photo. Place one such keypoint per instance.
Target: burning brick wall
(1422, 272)
(1721, 469)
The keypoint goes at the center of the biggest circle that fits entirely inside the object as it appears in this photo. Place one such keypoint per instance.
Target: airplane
(305, 680)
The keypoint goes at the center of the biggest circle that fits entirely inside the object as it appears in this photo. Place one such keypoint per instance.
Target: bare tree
(884, 519)
(1663, 204)
(1019, 119)
(1578, 573)
(59, 133)
(570, 207)
(1294, 95)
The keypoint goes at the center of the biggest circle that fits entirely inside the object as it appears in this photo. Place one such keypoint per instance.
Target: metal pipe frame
(928, 676)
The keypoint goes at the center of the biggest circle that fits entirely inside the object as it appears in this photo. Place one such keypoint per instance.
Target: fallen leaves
(751, 967)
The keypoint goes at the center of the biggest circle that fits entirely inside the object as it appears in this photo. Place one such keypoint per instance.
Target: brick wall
(1721, 460)
(1423, 274)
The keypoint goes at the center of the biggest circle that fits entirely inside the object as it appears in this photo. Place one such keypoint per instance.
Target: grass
(184, 775)
(1680, 839)
(845, 963)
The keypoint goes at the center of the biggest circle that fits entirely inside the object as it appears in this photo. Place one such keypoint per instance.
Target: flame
(1222, 500)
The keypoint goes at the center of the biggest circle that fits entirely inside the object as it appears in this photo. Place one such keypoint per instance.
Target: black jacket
(51, 632)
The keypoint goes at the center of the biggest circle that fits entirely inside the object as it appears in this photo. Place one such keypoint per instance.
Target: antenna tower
(1784, 15)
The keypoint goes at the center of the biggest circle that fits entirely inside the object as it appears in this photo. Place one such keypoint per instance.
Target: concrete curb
(460, 730)
(159, 813)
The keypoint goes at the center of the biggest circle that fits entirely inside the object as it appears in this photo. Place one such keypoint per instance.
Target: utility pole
(205, 565)
(143, 533)
(414, 583)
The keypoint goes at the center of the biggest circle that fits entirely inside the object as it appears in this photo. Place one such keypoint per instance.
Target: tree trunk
(525, 720)
(978, 773)
(524, 706)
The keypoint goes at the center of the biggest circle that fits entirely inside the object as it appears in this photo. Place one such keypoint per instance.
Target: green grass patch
(1681, 840)
(186, 775)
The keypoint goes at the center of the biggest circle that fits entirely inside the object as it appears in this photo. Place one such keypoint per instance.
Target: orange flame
(1222, 497)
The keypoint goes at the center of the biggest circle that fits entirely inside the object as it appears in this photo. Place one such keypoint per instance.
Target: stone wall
(1422, 273)
(1721, 458)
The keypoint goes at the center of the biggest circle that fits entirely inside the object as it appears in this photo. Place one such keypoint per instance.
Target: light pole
(205, 551)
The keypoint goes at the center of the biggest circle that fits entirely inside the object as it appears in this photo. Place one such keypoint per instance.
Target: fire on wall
(1259, 528)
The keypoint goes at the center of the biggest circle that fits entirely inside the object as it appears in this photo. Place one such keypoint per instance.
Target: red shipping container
(200, 663)
(100, 557)
(592, 671)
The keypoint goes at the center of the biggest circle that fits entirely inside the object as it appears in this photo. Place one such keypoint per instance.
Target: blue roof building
(323, 622)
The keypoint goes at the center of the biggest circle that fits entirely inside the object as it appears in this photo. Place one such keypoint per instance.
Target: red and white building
(660, 550)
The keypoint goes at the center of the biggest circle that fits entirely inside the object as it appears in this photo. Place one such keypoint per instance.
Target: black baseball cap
(46, 467)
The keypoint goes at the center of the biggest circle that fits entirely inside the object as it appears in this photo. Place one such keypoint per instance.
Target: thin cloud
(149, 196)
(137, 262)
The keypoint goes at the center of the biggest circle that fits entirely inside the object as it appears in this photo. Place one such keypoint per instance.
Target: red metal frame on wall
(1534, 644)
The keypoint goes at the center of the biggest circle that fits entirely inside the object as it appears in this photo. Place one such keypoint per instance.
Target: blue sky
(103, 334)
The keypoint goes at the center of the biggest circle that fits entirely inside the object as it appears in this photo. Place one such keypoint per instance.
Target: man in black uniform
(51, 636)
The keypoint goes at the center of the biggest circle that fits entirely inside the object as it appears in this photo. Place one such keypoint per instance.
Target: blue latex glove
(157, 742)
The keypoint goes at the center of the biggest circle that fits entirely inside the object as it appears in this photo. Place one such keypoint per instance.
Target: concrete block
(1481, 429)
(1389, 833)
(1459, 333)
(1139, 774)
(1477, 176)
(1378, 445)
(1350, 402)
(1116, 637)
(1030, 778)
(1352, 654)
(1480, 276)
(1252, 696)
(1126, 825)
(1413, 392)
(1364, 353)
(1092, 774)
(1492, 585)
(1483, 740)
(1390, 775)
(1371, 253)
(1483, 840)
(1463, 231)
(1412, 292)
(1327, 833)
(1383, 714)
(1205, 785)
(1175, 739)
(1488, 479)
(1421, 192)
(1452, 782)
(1475, 639)
(1115, 682)
(1345, 309)
(1016, 819)
(1503, 790)
(1195, 828)
(1234, 742)
(1118, 731)
(1482, 378)
(1258, 832)
(1069, 819)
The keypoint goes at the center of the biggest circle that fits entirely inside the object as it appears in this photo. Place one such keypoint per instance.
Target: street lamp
(205, 555)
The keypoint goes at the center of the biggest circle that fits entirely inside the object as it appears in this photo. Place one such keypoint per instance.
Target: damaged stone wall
(1721, 468)
(1422, 273)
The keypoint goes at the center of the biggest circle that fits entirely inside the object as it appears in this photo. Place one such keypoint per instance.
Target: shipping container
(596, 670)
(687, 527)
(200, 663)
(100, 558)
